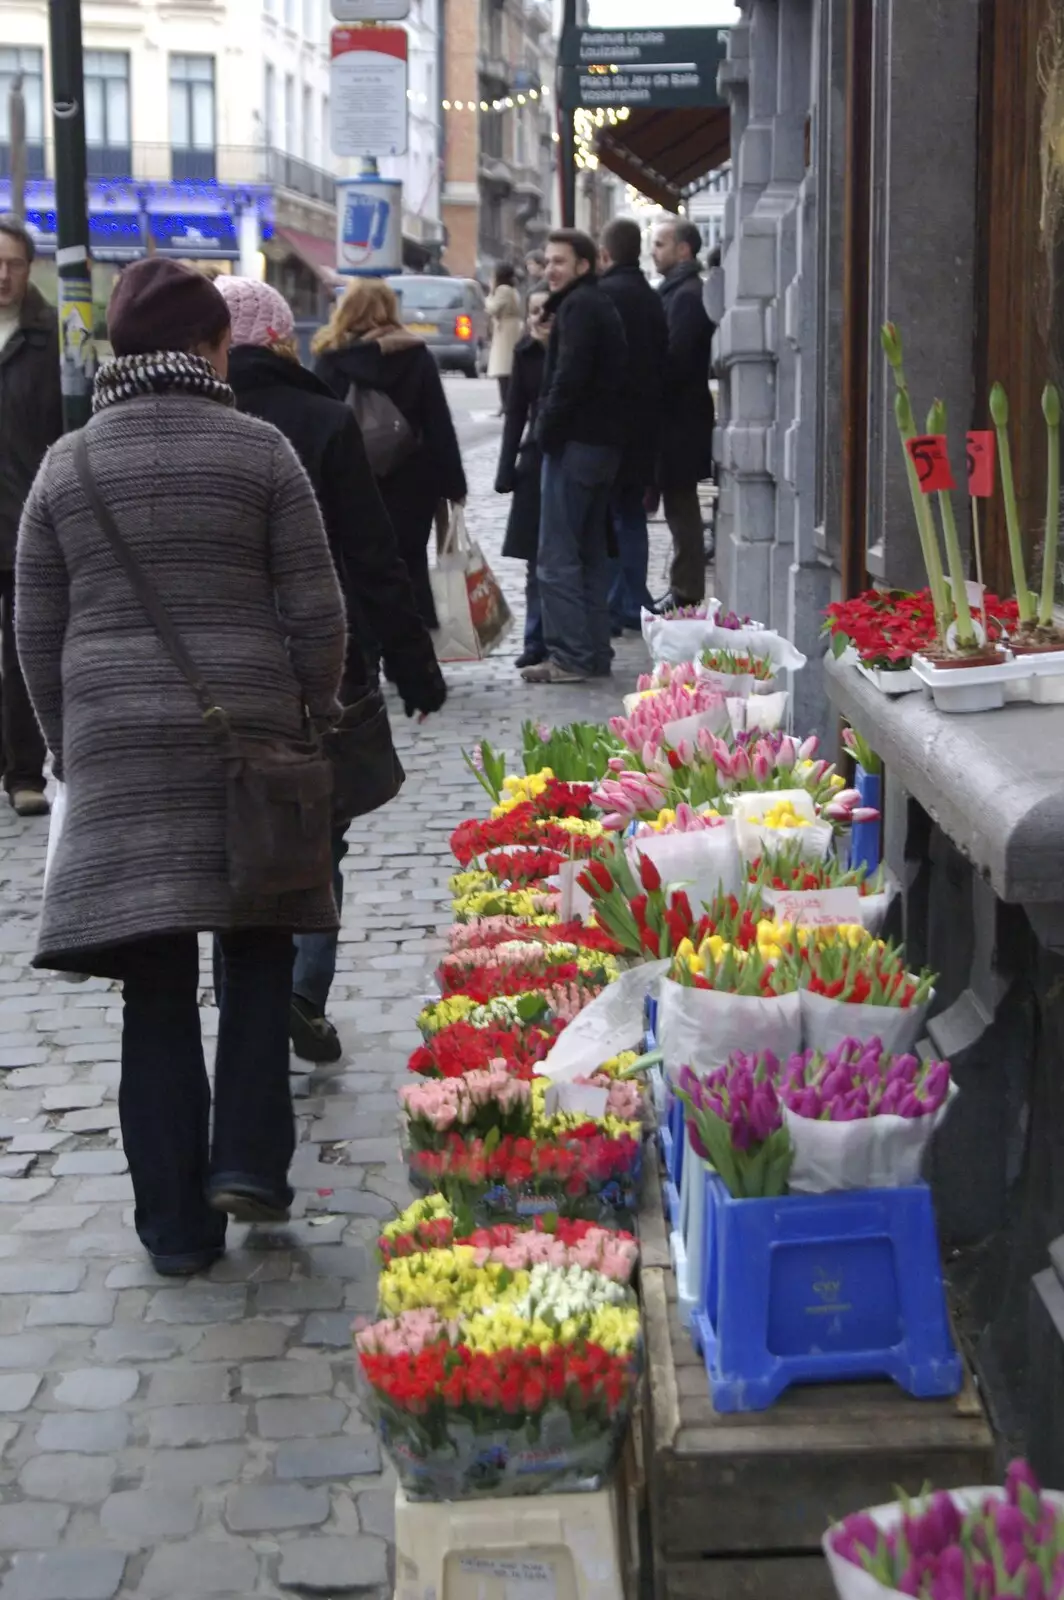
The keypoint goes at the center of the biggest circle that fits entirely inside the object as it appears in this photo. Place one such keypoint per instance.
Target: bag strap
(146, 592)
(456, 540)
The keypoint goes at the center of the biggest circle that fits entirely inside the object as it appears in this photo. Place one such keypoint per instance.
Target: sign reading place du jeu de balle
(640, 67)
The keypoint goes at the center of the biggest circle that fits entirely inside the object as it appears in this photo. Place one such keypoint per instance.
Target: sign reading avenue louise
(648, 67)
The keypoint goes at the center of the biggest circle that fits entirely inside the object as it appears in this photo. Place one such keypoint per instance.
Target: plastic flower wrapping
(970, 1544)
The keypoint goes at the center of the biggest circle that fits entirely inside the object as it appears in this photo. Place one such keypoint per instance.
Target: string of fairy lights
(503, 103)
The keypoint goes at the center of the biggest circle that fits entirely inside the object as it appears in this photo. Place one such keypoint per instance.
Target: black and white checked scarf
(158, 372)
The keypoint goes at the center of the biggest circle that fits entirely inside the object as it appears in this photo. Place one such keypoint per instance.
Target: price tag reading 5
(981, 452)
(929, 456)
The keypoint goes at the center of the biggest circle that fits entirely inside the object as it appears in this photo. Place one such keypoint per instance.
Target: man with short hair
(646, 331)
(535, 261)
(580, 429)
(31, 419)
(686, 454)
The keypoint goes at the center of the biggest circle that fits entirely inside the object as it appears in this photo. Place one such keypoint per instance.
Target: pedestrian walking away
(520, 466)
(504, 309)
(646, 331)
(31, 418)
(268, 381)
(364, 348)
(686, 456)
(213, 509)
(580, 428)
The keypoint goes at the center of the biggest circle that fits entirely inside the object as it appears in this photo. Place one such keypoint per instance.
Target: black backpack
(388, 437)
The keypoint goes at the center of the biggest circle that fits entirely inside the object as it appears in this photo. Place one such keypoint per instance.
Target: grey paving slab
(165, 1440)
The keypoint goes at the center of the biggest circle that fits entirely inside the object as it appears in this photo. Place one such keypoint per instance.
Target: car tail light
(463, 327)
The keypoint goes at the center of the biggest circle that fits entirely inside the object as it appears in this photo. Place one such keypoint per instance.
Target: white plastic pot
(959, 689)
(905, 681)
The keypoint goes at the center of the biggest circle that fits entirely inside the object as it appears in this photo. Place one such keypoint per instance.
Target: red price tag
(982, 448)
(929, 457)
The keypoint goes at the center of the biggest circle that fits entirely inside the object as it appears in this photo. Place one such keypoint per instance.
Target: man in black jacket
(643, 315)
(686, 454)
(31, 419)
(580, 428)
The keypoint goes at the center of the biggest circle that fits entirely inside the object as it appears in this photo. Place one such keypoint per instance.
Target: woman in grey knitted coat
(218, 511)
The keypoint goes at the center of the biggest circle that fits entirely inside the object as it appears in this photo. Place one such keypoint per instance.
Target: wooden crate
(738, 1503)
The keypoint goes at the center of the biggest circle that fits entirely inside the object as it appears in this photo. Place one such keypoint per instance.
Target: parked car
(449, 315)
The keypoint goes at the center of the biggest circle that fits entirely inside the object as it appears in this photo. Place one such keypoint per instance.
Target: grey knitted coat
(217, 508)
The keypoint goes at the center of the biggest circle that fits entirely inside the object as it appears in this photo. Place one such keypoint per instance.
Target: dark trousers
(164, 1098)
(628, 588)
(21, 745)
(315, 963)
(534, 645)
(573, 565)
(683, 513)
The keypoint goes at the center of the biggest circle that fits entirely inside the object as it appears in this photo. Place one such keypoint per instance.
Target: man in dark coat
(31, 419)
(686, 454)
(643, 316)
(580, 428)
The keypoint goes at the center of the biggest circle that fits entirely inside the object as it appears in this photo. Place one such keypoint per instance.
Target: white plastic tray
(969, 688)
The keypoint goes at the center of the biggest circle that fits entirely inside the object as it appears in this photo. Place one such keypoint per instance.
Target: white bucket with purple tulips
(860, 1117)
(958, 1544)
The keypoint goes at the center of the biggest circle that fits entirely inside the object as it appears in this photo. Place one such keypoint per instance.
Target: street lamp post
(77, 350)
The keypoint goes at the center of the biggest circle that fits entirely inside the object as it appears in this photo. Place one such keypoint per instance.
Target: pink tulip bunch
(628, 794)
(665, 674)
(405, 1335)
(645, 726)
(846, 809)
(687, 820)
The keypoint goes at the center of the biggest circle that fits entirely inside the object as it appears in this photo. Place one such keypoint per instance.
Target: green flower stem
(925, 522)
(999, 412)
(1051, 412)
(936, 423)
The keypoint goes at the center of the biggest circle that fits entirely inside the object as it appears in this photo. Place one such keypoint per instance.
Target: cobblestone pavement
(177, 1440)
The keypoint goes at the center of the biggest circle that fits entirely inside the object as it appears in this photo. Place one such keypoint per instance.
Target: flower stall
(549, 1273)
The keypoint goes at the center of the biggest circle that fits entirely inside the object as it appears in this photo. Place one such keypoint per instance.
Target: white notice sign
(370, 10)
(368, 91)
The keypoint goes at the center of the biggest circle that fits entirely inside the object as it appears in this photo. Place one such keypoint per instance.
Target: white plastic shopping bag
(611, 1023)
(700, 1028)
(882, 1152)
(471, 610)
(56, 822)
(676, 639)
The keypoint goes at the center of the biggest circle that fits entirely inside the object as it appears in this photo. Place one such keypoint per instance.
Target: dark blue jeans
(315, 958)
(164, 1099)
(628, 588)
(573, 565)
(533, 613)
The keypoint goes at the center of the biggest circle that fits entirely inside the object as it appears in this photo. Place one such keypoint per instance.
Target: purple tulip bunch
(858, 1080)
(735, 1122)
(1004, 1547)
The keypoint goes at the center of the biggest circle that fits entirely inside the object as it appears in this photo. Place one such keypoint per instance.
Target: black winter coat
(31, 411)
(403, 369)
(583, 396)
(686, 454)
(325, 436)
(520, 457)
(643, 315)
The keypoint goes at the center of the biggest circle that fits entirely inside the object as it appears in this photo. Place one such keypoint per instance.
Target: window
(270, 7)
(307, 128)
(192, 116)
(107, 135)
(290, 13)
(289, 114)
(269, 110)
(31, 65)
(310, 19)
(326, 131)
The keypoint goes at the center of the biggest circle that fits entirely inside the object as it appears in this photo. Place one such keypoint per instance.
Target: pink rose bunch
(487, 1095)
(600, 1250)
(461, 935)
(405, 1335)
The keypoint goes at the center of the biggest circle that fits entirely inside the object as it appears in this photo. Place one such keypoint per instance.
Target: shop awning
(666, 154)
(318, 254)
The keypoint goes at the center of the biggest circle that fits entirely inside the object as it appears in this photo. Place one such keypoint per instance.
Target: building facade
(208, 136)
(498, 165)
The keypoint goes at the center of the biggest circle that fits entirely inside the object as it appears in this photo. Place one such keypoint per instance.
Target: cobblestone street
(165, 1440)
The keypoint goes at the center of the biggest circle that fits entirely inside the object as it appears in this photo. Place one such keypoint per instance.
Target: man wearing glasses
(31, 419)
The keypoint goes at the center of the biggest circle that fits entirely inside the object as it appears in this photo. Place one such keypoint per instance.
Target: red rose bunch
(575, 1165)
(585, 1379)
(523, 866)
(460, 1048)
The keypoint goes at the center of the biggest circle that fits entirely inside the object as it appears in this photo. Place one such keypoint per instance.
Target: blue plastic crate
(650, 1023)
(677, 1129)
(819, 1289)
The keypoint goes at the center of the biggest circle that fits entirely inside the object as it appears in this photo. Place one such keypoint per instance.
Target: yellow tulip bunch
(516, 790)
(448, 1280)
(559, 1123)
(780, 815)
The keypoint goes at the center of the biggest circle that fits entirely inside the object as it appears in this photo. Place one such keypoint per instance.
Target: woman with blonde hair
(364, 348)
(504, 309)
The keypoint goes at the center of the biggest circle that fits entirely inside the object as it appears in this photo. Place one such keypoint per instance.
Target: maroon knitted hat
(162, 305)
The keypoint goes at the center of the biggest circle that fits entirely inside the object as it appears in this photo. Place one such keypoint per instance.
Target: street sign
(369, 226)
(368, 91)
(370, 10)
(641, 67)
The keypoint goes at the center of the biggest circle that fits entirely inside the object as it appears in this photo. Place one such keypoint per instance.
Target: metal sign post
(78, 352)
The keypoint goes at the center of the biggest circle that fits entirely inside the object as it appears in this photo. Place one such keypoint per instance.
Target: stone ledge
(993, 781)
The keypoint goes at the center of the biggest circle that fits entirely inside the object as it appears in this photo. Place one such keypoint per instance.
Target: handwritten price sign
(930, 457)
(982, 447)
